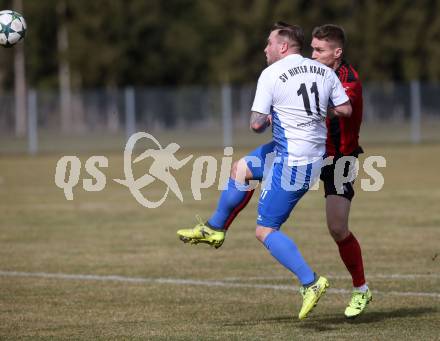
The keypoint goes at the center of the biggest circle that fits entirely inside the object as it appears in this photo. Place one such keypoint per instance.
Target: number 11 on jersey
(303, 92)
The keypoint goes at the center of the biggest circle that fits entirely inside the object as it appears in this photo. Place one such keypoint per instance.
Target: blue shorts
(257, 158)
(282, 188)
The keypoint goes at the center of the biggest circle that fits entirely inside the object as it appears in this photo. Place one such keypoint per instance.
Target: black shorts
(328, 177)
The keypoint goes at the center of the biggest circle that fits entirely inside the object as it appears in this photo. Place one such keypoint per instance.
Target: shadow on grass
(331, 322)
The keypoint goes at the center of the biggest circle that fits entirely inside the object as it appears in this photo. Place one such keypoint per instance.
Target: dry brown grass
(108, 233)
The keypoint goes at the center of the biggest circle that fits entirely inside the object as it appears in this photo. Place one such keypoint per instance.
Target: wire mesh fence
(196, 116)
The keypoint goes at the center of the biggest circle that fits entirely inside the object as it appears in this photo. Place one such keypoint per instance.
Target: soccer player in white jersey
(294, 94)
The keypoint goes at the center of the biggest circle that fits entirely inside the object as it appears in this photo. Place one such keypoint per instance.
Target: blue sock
(232, 201)
(284, 250)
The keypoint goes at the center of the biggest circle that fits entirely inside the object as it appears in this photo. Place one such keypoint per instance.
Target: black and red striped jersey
(343, 133)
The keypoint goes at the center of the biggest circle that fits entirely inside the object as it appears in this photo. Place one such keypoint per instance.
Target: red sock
(351, 255)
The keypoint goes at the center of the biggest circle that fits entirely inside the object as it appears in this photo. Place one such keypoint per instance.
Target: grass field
(57, 259)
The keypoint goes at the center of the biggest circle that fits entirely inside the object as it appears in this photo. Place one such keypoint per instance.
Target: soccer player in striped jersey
(294, 94)
(342, 140)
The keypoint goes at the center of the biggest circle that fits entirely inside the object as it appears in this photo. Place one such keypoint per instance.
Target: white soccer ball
(12, 28)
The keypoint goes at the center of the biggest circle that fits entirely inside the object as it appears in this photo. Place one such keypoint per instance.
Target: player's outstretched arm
(343, 110)
(259, 122)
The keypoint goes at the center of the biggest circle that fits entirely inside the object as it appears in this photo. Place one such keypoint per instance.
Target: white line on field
(177, 281)
(373, 276)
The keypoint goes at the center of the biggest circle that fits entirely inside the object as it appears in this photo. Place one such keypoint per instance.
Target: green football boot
(311, 296)
(358, 303)
(201, 233)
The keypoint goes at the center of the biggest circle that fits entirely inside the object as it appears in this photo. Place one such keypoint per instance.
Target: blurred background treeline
(174, 42)
(79, 52)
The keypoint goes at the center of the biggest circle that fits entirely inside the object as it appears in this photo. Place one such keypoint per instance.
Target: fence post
(245, 105)
(227, 114)
(32, 122)
(130, 112)
(416, 112)
(20, 87)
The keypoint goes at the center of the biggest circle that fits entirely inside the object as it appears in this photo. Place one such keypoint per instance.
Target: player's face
(273, 48)
(326, 52)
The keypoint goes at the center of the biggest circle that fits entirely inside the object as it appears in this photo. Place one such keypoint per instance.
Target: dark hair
(330, 32)
(293, 33)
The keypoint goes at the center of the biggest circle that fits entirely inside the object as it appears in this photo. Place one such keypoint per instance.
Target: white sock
(362, 288)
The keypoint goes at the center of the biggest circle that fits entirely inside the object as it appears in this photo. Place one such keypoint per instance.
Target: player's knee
(338, 231)
(262, 232)
(234, 170)
(240, 171)
(259, 235)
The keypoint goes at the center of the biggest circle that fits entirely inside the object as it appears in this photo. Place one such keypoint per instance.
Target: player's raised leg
(232, 200)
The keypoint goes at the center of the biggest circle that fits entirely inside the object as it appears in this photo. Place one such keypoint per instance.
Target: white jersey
(297, 92)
